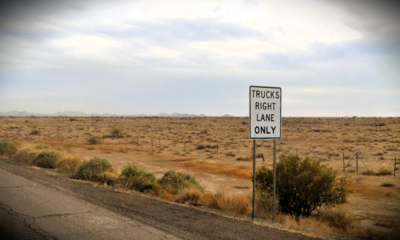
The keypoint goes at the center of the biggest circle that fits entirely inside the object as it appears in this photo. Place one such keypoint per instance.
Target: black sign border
(280, 109)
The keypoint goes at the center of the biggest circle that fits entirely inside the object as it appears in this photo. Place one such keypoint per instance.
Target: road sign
(265, 112)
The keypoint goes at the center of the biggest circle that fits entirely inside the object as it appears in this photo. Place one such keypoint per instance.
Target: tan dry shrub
(369, 173)
(313, 226)
(246, 159)
(342, 219)
(190, 196)
(209, 200)
(94, 140)
(118, 131)
(156, 190)
(26, 156)
(165, 192)
(384, 172)
(264, 204)
(69, 164)
(42, 147)
(9, 147)
(34, 132)
(387, 184)
(233, 203)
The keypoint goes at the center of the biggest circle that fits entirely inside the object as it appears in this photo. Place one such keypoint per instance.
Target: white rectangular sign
(265, 112)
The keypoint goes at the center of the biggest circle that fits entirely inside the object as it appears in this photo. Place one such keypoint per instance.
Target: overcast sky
(331, 58)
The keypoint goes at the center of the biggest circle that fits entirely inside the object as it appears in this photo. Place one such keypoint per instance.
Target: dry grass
(342, 219)
(264, 205)
(118, 131)
(246, 159)
(387, 184)
(371, 192)
(150, 141)
(26, 156)
(69, 164)
(384, 172)
(231, 203)
(208, 167)
(190, 196)
(311, 225)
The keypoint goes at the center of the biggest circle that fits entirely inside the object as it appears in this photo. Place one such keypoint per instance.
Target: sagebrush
(137, 179)
(179, 181)
(303, 185)
(8, 147)
(47, 159)
(26, 156)
(69, 164)
(94, 170)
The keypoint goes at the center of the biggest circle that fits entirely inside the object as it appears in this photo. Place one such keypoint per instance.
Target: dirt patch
(208, 148)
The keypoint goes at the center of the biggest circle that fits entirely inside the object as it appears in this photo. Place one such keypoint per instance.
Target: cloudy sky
(331, 58)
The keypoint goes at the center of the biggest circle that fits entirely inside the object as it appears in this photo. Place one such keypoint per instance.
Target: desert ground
(218, 151)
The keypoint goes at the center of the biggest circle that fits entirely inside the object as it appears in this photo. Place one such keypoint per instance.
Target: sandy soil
(218, 151)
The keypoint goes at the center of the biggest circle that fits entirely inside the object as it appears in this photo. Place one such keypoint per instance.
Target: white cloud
(86, 46)
(246, 48)
(194, 55)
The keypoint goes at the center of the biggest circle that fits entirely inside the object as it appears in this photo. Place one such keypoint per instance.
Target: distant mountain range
(82, 114)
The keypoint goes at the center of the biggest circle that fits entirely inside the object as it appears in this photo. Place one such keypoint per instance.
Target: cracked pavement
(39, 203)
(31, 210)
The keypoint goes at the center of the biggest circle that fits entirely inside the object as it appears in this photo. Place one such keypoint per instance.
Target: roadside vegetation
(9, 147)
(96, 169)
(303, 186)
(134, 178)
(309, 193)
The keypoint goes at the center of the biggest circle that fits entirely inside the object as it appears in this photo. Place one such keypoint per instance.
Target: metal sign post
(254, 179)
(265, 114)
(274, 197)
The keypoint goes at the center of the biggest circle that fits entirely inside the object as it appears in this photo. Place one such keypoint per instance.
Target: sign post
(265, 114)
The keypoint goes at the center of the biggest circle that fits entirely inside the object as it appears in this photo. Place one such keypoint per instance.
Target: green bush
(26, 156)
(47, 159)
(8, 147)
(179, 181)
(137, 179)
(303, 186)
(94, 170)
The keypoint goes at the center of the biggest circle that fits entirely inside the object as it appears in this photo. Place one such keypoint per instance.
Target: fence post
(357, 162)
(344, 167)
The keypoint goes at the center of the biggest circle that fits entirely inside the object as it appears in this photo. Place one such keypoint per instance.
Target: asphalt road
(48, 213)
(42, 204)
